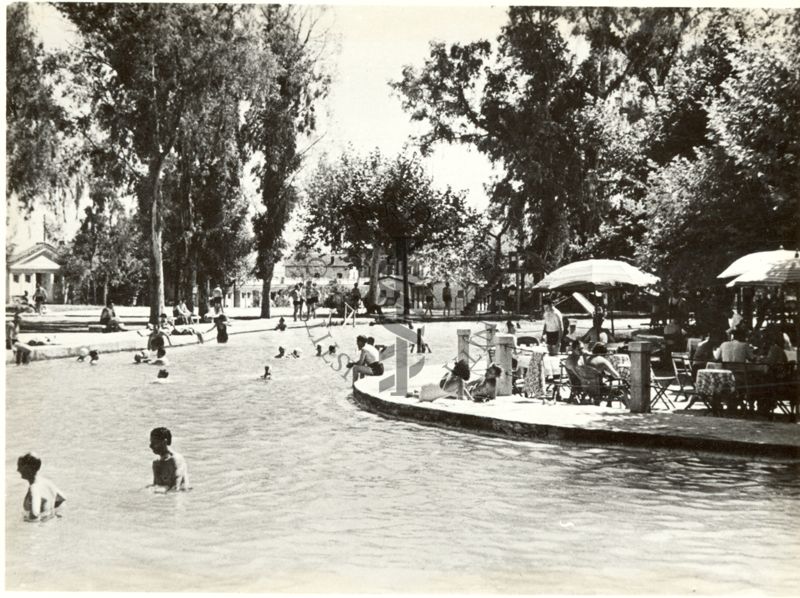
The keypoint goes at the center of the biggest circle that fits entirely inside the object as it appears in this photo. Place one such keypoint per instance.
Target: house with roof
(38, 264)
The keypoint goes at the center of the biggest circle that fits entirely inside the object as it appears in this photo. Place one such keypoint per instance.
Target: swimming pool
(296, 489)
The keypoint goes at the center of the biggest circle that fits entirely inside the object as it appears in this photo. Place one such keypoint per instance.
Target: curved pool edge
(546, 432)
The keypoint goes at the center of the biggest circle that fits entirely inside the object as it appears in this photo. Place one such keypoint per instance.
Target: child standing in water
(43, 497)
(169, 470)
(221, 324)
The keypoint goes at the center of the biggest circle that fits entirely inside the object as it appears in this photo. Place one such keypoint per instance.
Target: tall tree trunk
(376, 259)
(156, 227)
(191, 280)
(267, 269)
(105, 291)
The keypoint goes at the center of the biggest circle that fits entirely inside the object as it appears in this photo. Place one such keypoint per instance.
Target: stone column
(640, 377)
(505, 351)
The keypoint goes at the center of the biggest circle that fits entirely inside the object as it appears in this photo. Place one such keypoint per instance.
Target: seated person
(485, 389)
(597, 335)
(181, 313)
(586, 370)
(108, 318)
(452, 381)
(705, 352)
(450, 386)
(736, 350)
(156, 339)
(166, 322)
(569, 337)
(369, 363)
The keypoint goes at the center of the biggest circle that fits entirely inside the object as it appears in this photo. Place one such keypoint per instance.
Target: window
(27, 278)
(16, 277)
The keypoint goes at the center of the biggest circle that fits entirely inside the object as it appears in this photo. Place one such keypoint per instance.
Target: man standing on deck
(553, 326)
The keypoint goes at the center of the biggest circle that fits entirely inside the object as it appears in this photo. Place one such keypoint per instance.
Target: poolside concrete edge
(546, 432)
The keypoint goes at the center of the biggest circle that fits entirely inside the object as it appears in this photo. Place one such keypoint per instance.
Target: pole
(404, 252)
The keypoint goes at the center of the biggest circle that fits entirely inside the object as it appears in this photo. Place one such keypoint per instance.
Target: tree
(34, 121)
(277, 120)
(523, 102)
(363, 205)
(143, 66)
(108, 256)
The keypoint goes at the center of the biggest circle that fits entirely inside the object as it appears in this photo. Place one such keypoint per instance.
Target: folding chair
(661, 384)
(683, 375)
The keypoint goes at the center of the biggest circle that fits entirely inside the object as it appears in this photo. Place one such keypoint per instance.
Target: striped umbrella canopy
(595, 275)
(750, 261)
(778, 273)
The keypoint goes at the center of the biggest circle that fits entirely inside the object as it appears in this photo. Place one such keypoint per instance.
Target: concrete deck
(521, 418)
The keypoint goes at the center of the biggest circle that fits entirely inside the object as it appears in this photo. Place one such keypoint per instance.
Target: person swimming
(296, 353)
(83, 353)
(319, 350)
(94, 357)
(43, 497)
(161, 357)
(267, 374)
(162, 373)
(169, 470)
(281, 353)
(281, 325)
(331, 349)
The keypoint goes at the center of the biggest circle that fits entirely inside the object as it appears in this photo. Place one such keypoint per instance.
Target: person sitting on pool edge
(109, 319)
(43, 497)
(369, 362)
(169, 470)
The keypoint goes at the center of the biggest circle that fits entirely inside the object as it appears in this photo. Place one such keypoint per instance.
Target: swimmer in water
(169, 470)
(94, 357)
(296, 353)
(162, 374)
(83, 353)
(319, 350)
(331, 349)
(43, 497)
(267, 375)
(141, 357)
(281, 353)
(161, 357)
(281, 325)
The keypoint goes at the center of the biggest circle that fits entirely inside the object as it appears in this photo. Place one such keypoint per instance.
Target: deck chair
(683, 375)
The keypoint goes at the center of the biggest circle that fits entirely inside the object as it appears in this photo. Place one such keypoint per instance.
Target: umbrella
(778, 273)
(754, 260)
(596, 275)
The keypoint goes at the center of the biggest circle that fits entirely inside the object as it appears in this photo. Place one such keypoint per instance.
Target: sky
(369, 47)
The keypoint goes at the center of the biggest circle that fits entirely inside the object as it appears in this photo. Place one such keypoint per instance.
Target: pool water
(294, 489)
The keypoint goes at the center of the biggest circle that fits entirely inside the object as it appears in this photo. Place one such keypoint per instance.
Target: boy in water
(221, 324)
(43, 498)
(169, 470)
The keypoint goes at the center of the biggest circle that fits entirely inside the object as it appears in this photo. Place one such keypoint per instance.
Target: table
(715, 384)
